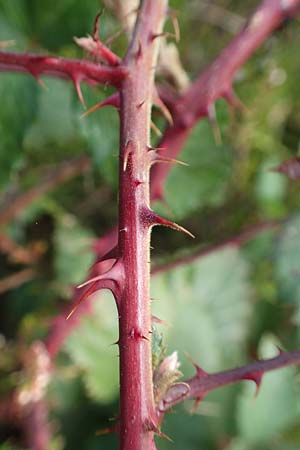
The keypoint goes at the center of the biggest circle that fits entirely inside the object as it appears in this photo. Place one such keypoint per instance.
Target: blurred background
(58, 178)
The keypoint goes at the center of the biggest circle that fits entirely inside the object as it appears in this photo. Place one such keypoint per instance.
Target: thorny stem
(202, 383)
(175, 137)
(235, 241)
(216, 82)
(76, 70)
(136, 392)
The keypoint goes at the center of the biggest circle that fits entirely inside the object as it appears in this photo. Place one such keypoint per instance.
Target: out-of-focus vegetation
(226, 308)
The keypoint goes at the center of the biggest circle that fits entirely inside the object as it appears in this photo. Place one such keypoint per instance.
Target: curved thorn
(139, 50)
(37, 78)
(112, 100)
(256, 377)
(156, 149)
(175, 24)
(96, 28)
(200, 372)
(157, 101)
(149, 425)
(165, 159)
(76, 82)
(164, 34)
(108, 430)
(150, 218)
(234, 100)
(212, 118)
(156, 129)
(160, 321)
(83, 297)
(196, 404)
(115, 273)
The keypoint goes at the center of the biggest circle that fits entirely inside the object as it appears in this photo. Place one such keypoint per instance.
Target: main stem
(137, 412)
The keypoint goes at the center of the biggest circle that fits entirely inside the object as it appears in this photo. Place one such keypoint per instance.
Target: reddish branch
(137, 411)
(61, 329)
(139, 419)
(175, 137)
(18, 254)
(66, 170)
(16, 279)
(76, 70)
(202, 383)
(216, 81)
(236, 241)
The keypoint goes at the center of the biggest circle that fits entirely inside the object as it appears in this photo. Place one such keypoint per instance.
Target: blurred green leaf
(277, 406)
(287, 262)
(239, 444)
(8, 447)
(73, 251)
(208, 302)
(270, 189)
(100, 130)
(186, 431)
(90, 347)
(21, 91)
(54, 135)
(204, 181)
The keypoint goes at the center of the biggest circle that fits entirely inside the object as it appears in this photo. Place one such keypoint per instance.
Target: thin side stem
(10, 208)
(235, 241)
(137, 412)
(74, 69)
(216, 81)
(202, 383)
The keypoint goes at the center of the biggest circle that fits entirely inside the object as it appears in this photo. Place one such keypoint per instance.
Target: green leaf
(287, 262)
(187, 431)
(276, 407)
(21, 91)
(204, 181)
(208, 304)
(13, 21)
(239, 444)
(73, 254)
(54, 134)
(270, 188)
(90, 347)
(100, 131)
(6, 446)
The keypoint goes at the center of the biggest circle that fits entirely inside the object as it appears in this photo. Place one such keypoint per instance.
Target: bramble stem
(202, 383)
(74, 69)
(137, 411)
(216, 81)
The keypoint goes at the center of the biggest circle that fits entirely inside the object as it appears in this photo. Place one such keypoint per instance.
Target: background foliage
(227, 307)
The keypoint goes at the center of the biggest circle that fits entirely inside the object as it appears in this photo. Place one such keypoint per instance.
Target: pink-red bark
(137, 411)
(202, 383)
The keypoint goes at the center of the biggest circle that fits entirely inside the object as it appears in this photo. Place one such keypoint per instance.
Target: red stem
(235, 241)
(176, 136)
(74, 69)
(202, 383)
(60, 329)
(137, 417)
(216, 82)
